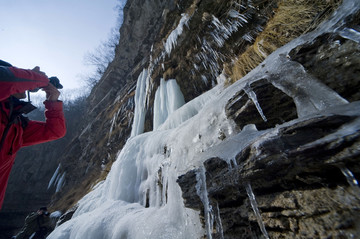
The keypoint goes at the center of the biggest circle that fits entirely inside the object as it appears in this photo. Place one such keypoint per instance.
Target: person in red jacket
(17, 131)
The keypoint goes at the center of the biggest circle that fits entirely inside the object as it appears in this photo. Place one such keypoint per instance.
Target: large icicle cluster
(57, 179)
(221, 30)
(140, 102)
(171, 41)
(168, 98)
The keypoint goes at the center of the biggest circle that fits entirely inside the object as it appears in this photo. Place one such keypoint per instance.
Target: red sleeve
(38, 132)
(14, 80)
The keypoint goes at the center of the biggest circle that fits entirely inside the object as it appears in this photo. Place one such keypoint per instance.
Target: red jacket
(14, 80)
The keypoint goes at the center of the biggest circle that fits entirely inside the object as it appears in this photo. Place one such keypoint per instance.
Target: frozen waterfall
(140, 197)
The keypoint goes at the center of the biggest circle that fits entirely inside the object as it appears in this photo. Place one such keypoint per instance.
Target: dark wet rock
(276, 106)
(335, 61)
(66, 216)
(297, 180)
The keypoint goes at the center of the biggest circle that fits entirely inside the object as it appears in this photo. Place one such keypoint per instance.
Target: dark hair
(4, 63)
(43, 208)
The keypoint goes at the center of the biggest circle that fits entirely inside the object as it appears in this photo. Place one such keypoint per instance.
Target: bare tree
(104, 54)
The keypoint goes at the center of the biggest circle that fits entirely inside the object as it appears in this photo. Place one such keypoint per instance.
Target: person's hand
(52, 94)
(37, 70)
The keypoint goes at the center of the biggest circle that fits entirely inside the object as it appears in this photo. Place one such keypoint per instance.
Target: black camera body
(55, 82)
(52, 80)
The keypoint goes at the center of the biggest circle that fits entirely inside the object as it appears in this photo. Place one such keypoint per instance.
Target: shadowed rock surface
(297, 180)
(303, 173)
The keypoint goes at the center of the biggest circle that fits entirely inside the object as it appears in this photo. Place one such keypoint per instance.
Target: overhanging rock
(303, 178)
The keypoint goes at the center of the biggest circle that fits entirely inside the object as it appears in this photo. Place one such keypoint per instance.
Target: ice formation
(54, 178)
(171, 41)
(168, 98)
(140, 102)
(201, 191)
(222, 31)
(349, 176)
(140, 197)
(219, 227)
(255, 208)
(60, 182)
(253, 97)
(57, 179)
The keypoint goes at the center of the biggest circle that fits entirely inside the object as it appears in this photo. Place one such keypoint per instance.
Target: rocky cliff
(296, 178)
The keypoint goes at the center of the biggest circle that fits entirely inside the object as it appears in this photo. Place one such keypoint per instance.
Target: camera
(55, 82)
(52, 80)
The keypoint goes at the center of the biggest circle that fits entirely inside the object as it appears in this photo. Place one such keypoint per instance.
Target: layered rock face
(302, 179)
(298, 179)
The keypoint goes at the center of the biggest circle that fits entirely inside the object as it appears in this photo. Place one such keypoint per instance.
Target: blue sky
(55, 35)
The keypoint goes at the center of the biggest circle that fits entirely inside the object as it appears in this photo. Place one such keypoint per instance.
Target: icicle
(54, 177)
(112, 125)
(204, 79)
(256, 209)
(223, 32)
(251, 94)
(350, 179)
(171, 41)
(232, 163)
(247, 37)
(219, 227)
(61, 182)
(235, 14)
(201, 190)
(165, 183)
(350, 34)
(140, 101)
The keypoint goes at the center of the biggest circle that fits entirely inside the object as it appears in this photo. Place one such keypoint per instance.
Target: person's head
(43, 211)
